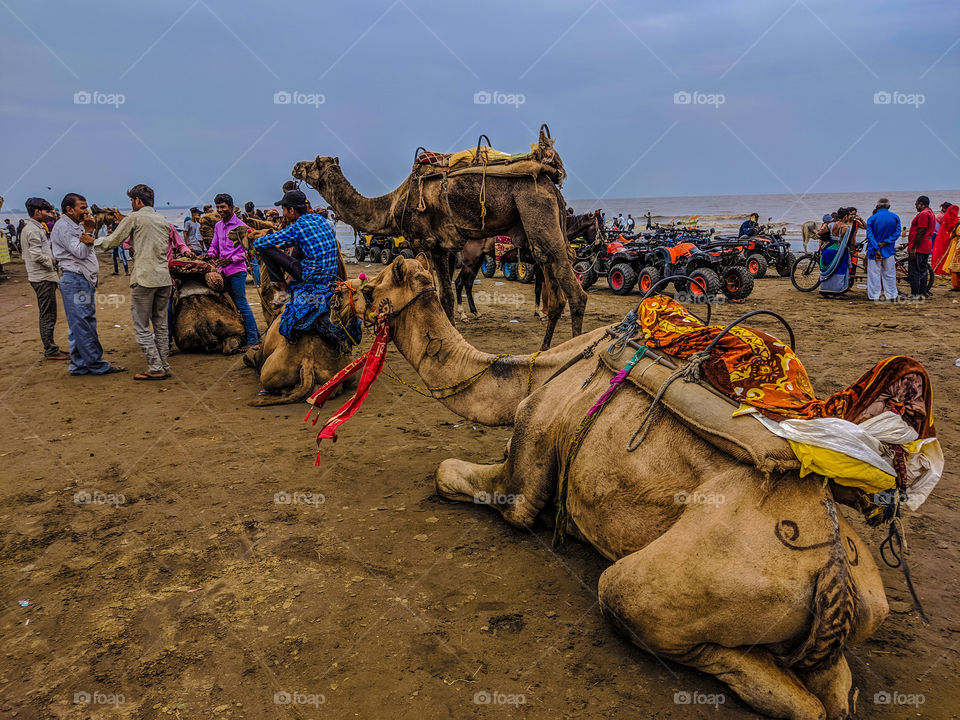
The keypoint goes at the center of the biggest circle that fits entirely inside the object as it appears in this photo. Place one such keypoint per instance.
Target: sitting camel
(439, 217)
(204, 317)
(763, 590)
(290, 371)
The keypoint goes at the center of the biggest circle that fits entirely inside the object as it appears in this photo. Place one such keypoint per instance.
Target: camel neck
(374, 215)
(444, 359)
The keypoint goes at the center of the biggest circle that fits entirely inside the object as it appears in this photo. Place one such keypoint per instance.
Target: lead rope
(896, 544)
(691, 373)
(560, 528)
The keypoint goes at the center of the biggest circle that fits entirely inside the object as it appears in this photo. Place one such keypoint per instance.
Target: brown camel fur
(290, 371)
(527, 209)
(206, 321)
(707, 584)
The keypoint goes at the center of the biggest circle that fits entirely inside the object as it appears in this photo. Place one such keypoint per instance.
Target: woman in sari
(942, 242)
(836, 253)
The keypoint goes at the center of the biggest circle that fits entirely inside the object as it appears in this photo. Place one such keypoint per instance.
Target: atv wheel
(786, 264)
(737, 283)
(525, 273)
(621, 279)
(649, 277)
(360, 251)
(757, 265)
(585, 273)
(488, 266)
(407, 253)
(710, 279)
(510, 270)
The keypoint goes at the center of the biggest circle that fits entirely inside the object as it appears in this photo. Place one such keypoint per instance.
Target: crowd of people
(59, 252)
(931, 248)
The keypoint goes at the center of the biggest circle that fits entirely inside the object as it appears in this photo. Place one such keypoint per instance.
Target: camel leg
(554, 303)
(640, 606)
(548, 243)
(441, 267)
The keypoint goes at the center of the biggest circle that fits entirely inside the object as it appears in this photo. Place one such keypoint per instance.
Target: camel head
(313, 172)
(399, 284)
(347, 302)
(245, 236)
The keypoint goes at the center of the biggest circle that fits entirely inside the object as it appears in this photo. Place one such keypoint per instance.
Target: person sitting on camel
(307, 298)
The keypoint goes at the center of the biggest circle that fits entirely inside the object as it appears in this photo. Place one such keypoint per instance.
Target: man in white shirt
(42, 272)
(72, 246)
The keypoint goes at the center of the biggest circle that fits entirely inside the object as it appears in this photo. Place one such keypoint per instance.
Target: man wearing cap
(42, 272)
(231, 258)
(919, 246)
(72, 246)
(313, 275)
(883, 229)
(191, 231)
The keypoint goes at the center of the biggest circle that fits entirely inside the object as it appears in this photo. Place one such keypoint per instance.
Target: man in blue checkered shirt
(314, 273)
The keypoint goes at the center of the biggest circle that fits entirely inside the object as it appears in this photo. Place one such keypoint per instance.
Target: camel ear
(399, 272)
(336, 161)
(423, 260)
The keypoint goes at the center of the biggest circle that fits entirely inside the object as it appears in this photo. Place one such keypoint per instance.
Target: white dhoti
(881, 277)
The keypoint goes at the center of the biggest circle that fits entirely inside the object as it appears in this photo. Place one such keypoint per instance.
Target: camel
(530, 210)
(205, 320)
(290, 371)
(762, 590)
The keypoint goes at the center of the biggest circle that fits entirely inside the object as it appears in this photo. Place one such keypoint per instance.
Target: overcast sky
(784, 96)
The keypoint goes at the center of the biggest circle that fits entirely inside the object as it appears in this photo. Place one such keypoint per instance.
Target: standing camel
(529, 209)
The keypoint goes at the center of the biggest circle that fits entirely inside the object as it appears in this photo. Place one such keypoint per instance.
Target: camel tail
(298, 392)
(834, 608)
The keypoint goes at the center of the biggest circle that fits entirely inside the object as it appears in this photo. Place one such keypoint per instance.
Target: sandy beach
(184, 583)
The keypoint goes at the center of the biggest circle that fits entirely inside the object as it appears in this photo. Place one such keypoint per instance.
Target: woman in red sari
(942, 242)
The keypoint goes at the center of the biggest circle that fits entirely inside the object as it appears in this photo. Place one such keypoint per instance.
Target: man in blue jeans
(232, 261)
(72, 246)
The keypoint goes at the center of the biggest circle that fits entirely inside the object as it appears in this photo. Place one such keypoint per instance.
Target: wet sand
(200, 595)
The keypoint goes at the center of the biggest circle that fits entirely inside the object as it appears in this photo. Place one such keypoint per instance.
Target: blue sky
(783, 93)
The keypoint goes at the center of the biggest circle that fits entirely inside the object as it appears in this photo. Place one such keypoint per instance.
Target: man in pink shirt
(919, 246)
(232, 261)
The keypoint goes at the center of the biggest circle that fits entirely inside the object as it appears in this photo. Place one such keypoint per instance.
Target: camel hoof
(452, 482)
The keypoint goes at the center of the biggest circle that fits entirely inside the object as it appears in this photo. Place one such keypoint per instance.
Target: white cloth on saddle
(868, 445)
